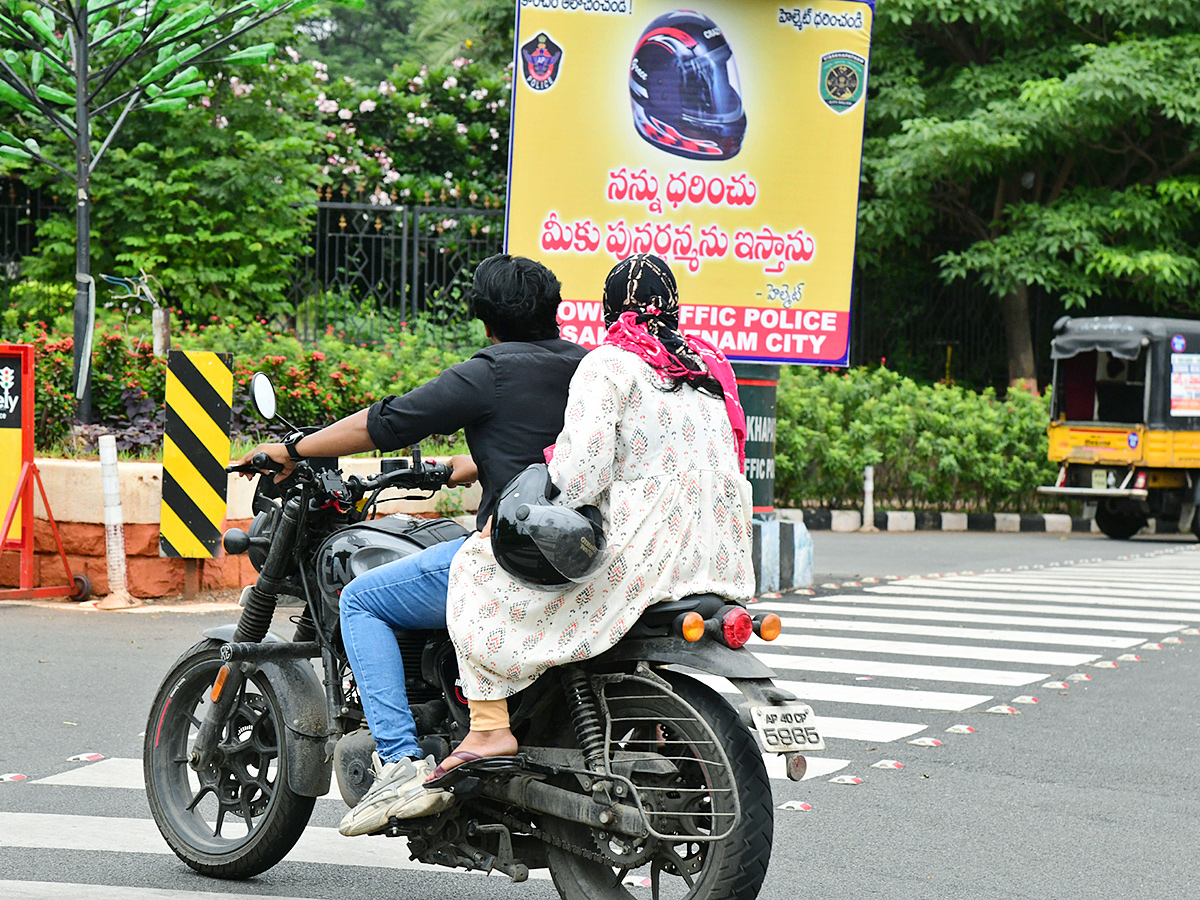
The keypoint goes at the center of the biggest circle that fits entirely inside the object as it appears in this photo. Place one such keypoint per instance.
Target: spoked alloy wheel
(237, 817)
(697, 800)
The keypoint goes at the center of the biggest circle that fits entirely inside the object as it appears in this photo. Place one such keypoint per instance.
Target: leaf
(54, 95)
(37, 65)
(14, 152)
(256, 55)
(168, 103)
(159, 70)
(39, 26)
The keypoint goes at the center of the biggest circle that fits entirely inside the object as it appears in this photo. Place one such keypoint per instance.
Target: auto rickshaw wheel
(1118, 521)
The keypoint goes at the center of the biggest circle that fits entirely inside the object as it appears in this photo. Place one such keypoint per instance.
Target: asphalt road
(1090, 793)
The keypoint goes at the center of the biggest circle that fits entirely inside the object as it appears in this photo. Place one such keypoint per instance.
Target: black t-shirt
(509, 398)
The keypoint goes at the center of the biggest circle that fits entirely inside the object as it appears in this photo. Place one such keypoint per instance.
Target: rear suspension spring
(586, 715)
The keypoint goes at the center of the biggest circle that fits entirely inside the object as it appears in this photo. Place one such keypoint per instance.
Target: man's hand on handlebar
(464, 472)
(276, 453)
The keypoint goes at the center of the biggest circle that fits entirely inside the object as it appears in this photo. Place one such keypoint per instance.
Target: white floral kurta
(662, 467)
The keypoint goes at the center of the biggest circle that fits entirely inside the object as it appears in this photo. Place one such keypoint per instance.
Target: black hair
(517, 298)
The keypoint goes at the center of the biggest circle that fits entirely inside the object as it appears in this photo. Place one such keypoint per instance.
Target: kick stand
(78, 587)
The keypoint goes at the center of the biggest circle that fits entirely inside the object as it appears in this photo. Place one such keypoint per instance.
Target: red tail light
(736, 627)
(1139, 481)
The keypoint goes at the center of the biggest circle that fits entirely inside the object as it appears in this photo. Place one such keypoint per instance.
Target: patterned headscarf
(641, 309)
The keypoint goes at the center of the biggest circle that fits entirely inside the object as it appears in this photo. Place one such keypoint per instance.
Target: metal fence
(20, 211)
(374, 267)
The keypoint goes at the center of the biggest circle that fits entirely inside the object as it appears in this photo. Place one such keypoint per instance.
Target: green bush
(933, 447)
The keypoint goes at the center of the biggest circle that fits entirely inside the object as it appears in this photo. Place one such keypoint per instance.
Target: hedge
(933, 446)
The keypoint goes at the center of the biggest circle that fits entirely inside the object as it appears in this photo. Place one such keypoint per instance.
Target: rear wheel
(695, 801)
(1119, 520)
(237, 817)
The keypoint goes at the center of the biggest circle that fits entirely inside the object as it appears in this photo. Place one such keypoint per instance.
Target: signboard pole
(19, 473)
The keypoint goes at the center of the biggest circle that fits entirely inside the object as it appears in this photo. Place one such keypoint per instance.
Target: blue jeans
(406, 595)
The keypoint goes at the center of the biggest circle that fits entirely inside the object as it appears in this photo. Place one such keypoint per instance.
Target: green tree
(1055, 142)
(80, 69)
(364, 43)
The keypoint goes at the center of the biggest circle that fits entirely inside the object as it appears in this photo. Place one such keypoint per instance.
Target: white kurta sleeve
(585, 453)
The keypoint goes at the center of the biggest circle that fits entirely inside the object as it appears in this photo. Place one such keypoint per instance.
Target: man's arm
(342, 438)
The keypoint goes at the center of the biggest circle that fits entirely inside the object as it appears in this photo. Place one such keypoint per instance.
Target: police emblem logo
(540, 62)
(843, 80)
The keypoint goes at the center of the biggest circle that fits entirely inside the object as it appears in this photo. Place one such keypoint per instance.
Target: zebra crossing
(883, 662)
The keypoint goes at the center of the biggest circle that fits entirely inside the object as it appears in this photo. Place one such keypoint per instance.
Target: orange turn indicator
(692, 627)
(768, 627)
(219, 684)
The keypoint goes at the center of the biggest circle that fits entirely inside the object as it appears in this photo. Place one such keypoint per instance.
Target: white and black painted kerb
(924, 520)
(783, 555)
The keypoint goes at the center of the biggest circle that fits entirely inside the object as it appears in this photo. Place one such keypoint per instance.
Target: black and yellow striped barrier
(195, 452)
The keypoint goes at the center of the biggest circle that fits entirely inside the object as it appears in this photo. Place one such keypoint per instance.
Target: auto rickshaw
(1125, 421)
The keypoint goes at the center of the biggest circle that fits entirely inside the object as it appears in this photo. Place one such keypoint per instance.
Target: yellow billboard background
(800, 154)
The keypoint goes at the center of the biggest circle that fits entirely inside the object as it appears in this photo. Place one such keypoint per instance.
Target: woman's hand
(463, 471)
(277, 452)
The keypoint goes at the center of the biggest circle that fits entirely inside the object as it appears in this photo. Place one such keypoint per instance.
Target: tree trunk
(1022, 369)
(84, 290)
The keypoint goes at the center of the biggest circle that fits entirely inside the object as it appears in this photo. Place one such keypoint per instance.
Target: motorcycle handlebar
(260, 462)
(428, 477)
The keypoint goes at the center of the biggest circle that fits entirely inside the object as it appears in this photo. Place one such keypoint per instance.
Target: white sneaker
(399, 791)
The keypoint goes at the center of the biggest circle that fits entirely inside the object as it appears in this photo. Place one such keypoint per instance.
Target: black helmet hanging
(684, 85)
(543, 546)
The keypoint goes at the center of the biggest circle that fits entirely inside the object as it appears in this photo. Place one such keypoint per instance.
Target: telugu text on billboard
(724, 137)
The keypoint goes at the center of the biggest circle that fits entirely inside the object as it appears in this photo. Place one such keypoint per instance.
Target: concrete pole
(868, 523)
(114, 528)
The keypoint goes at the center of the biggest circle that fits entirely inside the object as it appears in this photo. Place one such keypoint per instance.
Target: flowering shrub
(316, 383)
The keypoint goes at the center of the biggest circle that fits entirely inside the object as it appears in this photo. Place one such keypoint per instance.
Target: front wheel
(698, 798)
(237, 817)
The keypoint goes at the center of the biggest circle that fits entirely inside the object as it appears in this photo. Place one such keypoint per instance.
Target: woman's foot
(479, 745)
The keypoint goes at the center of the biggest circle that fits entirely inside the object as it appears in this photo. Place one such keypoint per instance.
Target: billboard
(725, 137)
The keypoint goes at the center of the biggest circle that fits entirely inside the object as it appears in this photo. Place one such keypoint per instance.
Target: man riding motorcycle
(509, 398)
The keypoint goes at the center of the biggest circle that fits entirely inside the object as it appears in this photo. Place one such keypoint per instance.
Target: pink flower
(462, 129)
(221, 121)
(344, 114)
(367, 106)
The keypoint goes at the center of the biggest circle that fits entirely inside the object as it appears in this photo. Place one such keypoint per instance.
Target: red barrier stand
(18, 469)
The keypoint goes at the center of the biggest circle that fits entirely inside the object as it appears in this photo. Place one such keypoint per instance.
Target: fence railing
(20, 211)
(374, 267)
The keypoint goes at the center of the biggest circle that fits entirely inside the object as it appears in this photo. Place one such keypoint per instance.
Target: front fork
(253, 625)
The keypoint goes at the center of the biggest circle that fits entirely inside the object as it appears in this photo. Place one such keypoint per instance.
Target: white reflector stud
(960, 729)
(1056, 685)
(85, 757)
(887, 764)
(845, 779)
(1173, 640)
(870, 581)
(1004, 711)
(770, 596)
(1103, 664)
(1129, 657)
(1190, 631)
(1151, 646)
(1079, 676)
(926, 742)
(1025, 698)
(831, 585)
(13, 776)
(797, 805)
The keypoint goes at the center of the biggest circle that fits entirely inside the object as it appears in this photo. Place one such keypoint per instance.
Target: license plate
(786, 729)
(1099, 479)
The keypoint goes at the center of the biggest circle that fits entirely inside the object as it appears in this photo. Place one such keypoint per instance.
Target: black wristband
(290, 447)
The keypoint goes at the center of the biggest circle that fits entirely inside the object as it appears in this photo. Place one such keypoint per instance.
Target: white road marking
(112, 834)
(907, 599)
(879, 696)
(58, 890)
(950, 651)
(959, 674)
(787, 610)
(1091, 586)
(1066, 639)
(935, 590)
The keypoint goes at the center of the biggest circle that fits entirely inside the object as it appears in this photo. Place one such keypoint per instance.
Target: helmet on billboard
(684, 86)
(543, 546)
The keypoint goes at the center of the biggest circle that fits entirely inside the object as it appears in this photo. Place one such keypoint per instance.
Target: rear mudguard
(303, 700)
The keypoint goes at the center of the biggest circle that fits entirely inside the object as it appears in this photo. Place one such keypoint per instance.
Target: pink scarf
(627, 334)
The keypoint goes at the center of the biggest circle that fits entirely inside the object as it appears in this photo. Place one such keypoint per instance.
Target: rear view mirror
(262, 395)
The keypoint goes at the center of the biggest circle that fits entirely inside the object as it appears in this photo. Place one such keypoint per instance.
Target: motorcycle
(630, 769)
